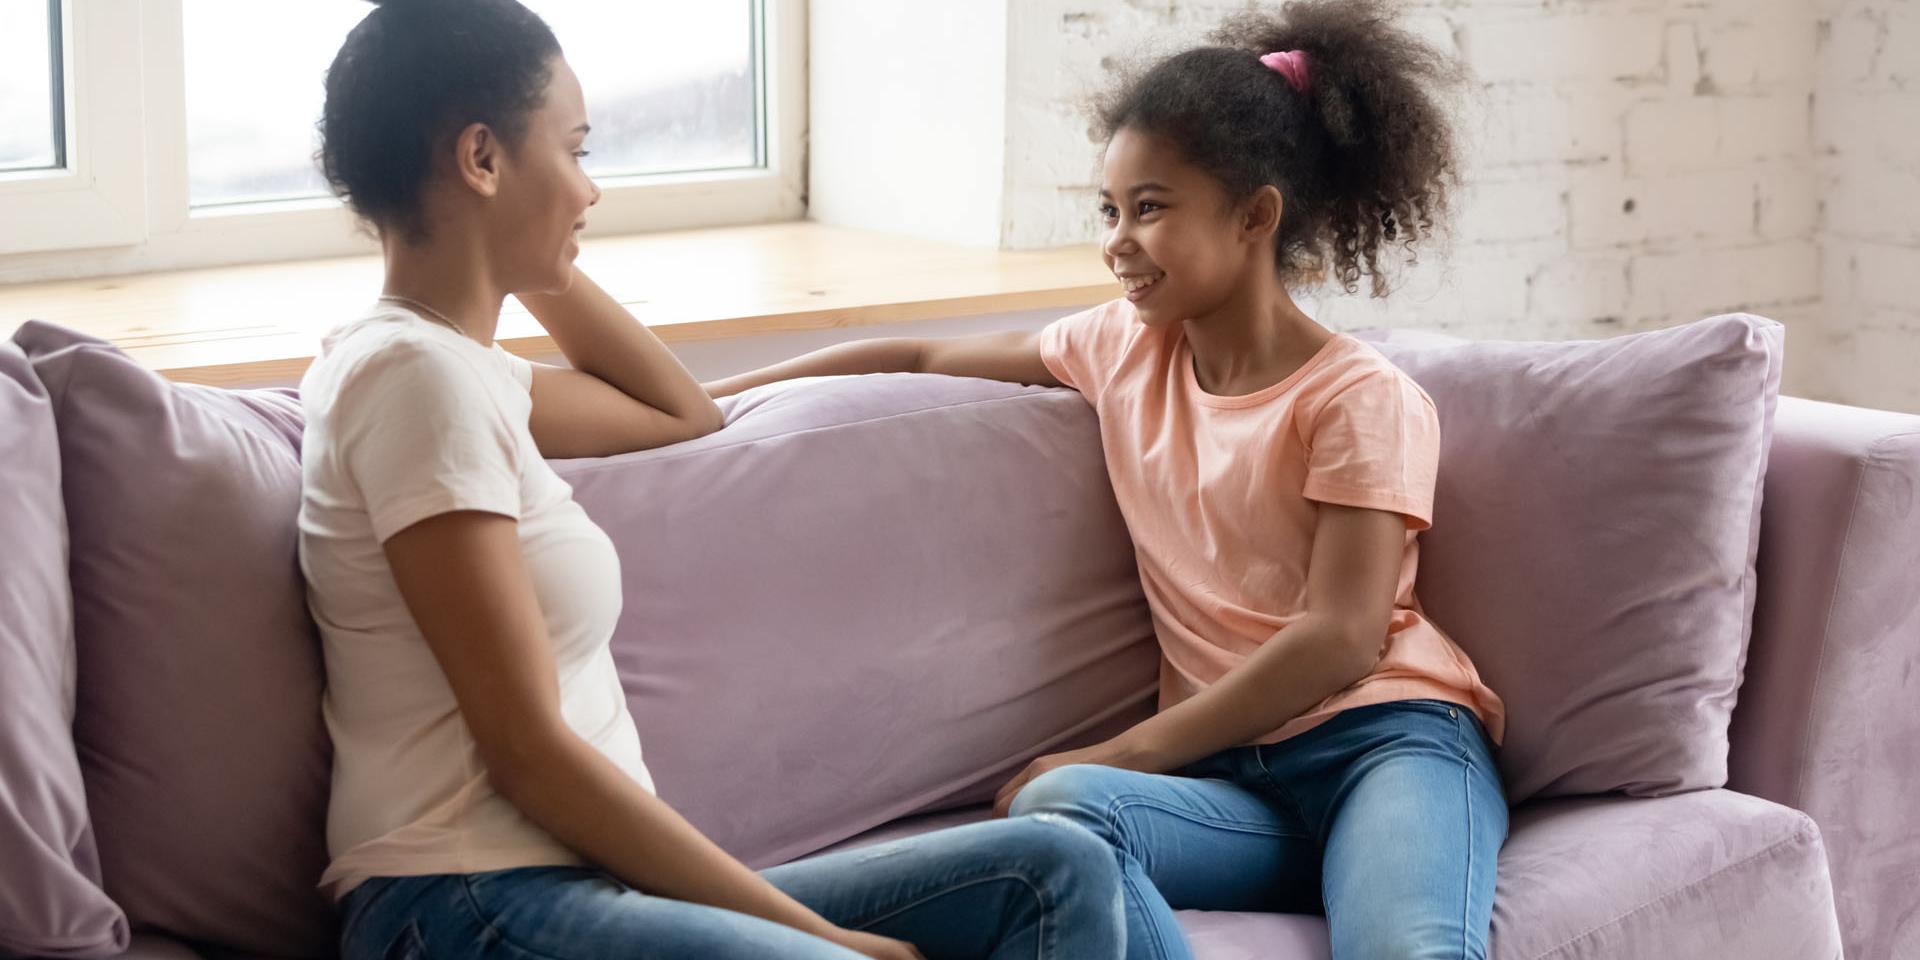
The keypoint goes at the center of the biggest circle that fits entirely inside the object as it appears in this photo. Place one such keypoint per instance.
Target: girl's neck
(450, 277)
(1254, 340)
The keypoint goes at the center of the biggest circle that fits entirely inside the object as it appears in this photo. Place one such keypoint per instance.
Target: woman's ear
(1260, 215)
(476, 158)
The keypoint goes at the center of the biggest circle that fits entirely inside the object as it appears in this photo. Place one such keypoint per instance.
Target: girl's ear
(1260, 215)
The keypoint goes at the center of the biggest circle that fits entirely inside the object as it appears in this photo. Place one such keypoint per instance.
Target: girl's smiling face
(1178, 243)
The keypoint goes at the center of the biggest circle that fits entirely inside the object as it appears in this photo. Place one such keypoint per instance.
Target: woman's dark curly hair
(1363, 158)
(410, 75)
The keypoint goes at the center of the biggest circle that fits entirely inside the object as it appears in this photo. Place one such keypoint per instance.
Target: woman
(489, 795)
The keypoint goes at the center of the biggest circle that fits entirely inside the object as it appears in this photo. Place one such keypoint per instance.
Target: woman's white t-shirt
(408, 419)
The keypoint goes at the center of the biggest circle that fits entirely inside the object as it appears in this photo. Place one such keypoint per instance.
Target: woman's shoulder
(391, 344)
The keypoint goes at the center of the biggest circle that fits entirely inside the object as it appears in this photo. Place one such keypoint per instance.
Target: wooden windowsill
(242, 326)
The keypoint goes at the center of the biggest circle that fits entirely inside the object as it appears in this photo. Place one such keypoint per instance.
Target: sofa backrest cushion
(198, 712)
(1593, 544)
(869, 597)
(51, 903)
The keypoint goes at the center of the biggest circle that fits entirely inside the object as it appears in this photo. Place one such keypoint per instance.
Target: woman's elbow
(516, 760)
(708, 419)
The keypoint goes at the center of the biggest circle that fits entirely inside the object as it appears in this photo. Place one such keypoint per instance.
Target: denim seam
(1119, 804)
(1466, 900)
(1285, 792)
(416, 941)
(1772, 848)
(349, 925)
(466, 892)
(1158, 946)
(1039, 893)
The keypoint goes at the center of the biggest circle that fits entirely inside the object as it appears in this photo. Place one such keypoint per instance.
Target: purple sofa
(858, 609)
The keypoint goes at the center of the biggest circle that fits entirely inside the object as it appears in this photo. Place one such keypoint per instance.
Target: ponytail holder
(1291, 64)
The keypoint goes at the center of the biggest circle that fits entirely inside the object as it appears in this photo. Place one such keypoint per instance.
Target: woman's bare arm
(463, 579)
(625, 391)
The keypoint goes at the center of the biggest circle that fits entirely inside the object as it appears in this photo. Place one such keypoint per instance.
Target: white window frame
(121, 205)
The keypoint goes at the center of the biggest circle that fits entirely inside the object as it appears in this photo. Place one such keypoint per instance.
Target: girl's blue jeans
(1387, 818)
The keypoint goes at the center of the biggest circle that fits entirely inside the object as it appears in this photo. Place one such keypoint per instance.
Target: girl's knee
(1070, 870)
(1078, 792)
(1064, 844)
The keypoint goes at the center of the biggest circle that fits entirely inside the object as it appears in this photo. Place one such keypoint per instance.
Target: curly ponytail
(1363, 155)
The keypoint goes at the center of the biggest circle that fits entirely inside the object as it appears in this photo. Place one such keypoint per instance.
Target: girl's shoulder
(1352, 370)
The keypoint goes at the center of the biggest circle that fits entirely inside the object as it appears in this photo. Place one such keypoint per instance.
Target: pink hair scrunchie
(1291, 64)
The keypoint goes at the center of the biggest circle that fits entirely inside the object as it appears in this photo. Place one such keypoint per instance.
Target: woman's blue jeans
(1020, 888)
(1387, 818)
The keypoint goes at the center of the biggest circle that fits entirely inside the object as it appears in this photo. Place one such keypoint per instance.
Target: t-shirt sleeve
(520, 367)
(420, 434)
(1376, 444)
(1083, 350)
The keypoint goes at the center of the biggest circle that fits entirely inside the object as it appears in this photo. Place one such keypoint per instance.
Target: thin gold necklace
(429, 311)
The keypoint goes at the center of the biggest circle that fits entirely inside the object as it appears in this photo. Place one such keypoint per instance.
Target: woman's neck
(447, 276)
(1254, 340)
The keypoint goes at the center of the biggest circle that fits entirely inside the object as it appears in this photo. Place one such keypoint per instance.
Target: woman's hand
(874, 945)
(1112, 753)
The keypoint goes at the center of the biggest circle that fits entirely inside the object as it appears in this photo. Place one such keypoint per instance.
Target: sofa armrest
(1827, 719)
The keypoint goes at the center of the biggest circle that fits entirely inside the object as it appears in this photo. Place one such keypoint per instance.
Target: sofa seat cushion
(1698, 876)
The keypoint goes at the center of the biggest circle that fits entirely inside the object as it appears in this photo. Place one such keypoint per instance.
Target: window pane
(29, 130)
(670, 88)
(252, 104)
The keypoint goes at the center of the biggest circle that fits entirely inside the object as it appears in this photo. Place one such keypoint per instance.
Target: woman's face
(543, 193)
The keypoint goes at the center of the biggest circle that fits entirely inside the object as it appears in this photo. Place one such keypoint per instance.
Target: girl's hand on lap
(1107, 754)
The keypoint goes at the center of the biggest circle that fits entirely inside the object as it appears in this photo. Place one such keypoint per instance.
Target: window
(670, 87)
(208, 131)
(30, 111)
(251, 106)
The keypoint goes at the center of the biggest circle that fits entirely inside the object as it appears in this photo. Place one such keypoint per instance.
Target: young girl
(489, 796)
(1320, 744)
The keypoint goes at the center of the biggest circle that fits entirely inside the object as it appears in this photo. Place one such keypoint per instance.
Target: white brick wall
(1632, 164)
(1867, 142)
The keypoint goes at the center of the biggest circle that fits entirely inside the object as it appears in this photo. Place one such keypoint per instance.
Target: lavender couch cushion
(1593, 542)
(1700, 876)
(1708, 875)
(1827, 720)
(868, 597)
(51, 903)
(198, 719)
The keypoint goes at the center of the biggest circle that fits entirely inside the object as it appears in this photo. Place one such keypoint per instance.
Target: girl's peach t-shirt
(1220, 494)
